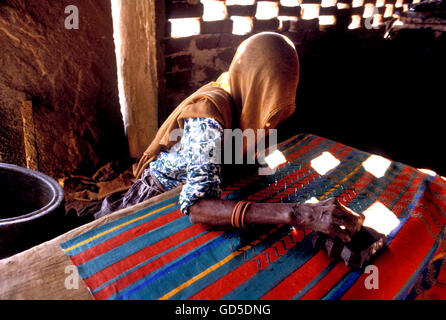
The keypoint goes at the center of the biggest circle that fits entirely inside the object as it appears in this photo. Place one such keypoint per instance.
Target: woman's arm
(327, 216)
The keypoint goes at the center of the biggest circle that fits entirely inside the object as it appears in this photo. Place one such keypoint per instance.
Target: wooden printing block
(319, 240)
(334, 247)
(363, 247)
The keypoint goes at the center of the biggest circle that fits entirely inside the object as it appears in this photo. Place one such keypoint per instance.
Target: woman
(258, 92)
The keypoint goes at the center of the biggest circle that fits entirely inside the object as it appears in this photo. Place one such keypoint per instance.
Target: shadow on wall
(66, 79)
(381, 96)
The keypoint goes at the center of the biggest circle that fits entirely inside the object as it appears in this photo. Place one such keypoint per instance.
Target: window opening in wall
(184, 27)
(356, 22)
(343, 6)
(310, 11)
(389, 11)
(267, 10)
(214, 10)
(328, 3)
(357, 3)
(241, 25)
(369, 10)
(327, 20)
(380, 3)
(290, 3)
(282, 19)
(239, 2)
(116, 16)
(377, 20)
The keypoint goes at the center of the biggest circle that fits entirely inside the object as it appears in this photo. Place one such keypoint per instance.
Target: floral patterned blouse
(192, 162)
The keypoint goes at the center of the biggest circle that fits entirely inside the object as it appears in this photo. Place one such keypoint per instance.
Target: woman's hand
(328, 216)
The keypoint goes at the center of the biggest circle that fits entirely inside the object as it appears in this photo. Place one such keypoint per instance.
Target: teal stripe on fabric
(266, 279)
(313, 282)
(323, 184)
(369, 195)
(231, 265)
(404, 292)
(146, 262)
(176, 272)
(108, 226)
(266, 180)
(130, 247)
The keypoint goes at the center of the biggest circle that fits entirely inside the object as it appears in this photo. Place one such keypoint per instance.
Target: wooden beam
(29, 135)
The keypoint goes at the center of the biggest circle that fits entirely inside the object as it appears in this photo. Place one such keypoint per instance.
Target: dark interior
(381, 96)
(22, 193)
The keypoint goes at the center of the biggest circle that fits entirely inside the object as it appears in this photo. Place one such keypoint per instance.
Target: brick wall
(193, 60)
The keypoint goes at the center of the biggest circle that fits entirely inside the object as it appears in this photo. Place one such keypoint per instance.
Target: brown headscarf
(257, 92)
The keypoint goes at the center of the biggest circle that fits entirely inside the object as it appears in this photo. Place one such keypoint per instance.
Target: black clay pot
(31, 211)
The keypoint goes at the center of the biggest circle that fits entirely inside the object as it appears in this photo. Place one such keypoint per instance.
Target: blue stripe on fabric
(128, 248)
(138, 290)
(343, 285)
(266, 279)
(144, 263)
(230, 266)
(105, 227)
(182, 271)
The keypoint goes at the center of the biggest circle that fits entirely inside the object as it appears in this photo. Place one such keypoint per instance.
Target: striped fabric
(156, 253)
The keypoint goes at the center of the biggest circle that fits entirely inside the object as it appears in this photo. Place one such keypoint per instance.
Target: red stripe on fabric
(326, 283)
(230, 281)
(438, 205)
(150, 267)
(296, 281)
(304, 149)
(236, 277)
(430, 215)
(123, 265)
(406, 250)
(393, 189)
(121, 238)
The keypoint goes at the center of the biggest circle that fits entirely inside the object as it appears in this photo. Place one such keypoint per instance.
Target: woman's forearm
(327, 216)
(219, 212)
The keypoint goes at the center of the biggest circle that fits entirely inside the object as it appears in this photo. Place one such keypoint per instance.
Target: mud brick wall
(191, 61)
(62, 82)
